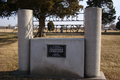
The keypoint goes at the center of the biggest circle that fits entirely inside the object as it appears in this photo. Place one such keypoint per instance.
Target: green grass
(110, 55)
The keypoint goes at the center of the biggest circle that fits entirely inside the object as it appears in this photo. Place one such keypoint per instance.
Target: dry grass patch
(6, 30)
(110, 57)
(8, 52)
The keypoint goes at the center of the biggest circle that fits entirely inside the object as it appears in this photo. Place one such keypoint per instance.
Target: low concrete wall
(71, 66)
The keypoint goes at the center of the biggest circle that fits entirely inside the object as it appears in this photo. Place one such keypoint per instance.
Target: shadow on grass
(8, 75)
(81, 33)
(7, 38)
(5, 73)
(110, 33)
(65, 34)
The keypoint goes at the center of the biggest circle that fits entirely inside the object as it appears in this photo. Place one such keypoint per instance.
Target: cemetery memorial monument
(61, 57)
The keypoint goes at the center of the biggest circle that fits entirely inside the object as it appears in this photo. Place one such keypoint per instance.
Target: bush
(50, 26)
(118, 25)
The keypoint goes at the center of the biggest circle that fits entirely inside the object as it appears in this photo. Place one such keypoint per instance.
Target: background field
(110, 55)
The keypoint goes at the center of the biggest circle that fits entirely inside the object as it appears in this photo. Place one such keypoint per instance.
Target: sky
(13, 20)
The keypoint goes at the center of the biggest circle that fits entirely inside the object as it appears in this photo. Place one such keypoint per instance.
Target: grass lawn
(110, 55)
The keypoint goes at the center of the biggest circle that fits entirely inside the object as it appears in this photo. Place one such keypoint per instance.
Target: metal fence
(69, 24)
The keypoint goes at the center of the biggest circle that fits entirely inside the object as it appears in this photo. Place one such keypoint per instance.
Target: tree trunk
(40, 32)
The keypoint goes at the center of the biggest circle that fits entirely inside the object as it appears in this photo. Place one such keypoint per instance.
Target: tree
(8, 8)
(41, 9)
(118, 23)
(51, 26)
(9, 26)
(108, 10)
(112, 26)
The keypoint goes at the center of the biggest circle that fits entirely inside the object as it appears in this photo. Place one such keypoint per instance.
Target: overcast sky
(13, 20)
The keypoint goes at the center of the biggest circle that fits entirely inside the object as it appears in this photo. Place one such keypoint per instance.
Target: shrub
(50, 26)
(118, 25)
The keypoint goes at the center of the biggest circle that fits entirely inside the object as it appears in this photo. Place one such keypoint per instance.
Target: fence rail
(69, 24)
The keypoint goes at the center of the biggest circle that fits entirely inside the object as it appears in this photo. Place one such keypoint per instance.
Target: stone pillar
(93, 41)
(25, 33)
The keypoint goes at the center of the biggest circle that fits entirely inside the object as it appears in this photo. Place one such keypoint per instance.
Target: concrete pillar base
(101, 77)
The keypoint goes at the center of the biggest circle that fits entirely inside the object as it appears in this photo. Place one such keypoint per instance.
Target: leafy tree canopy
(108, 10)
(39, 6)
(46, 7)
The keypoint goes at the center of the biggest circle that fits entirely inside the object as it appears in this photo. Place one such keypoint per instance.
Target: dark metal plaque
(56, 50)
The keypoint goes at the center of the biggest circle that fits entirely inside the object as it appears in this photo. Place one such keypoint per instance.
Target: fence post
(25, 33)
(93, 41)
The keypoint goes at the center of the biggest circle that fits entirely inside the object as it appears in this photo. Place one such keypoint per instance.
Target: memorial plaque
(56, 50)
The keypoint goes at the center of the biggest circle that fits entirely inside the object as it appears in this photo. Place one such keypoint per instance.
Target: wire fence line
(69, 24)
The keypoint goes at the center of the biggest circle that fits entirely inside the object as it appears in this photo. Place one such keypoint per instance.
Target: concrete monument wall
(72, 65)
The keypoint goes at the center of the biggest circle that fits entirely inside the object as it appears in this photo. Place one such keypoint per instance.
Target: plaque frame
(56, 51)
